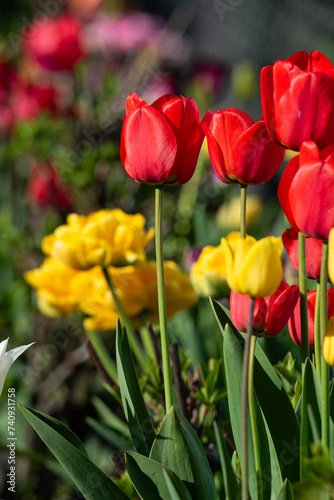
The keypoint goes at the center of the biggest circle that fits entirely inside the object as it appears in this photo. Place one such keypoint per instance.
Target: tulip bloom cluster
(106, 237)
(77, 253)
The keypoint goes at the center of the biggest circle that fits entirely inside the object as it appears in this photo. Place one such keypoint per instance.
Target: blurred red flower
(298, 99)
(56, 44)
(270, 313)
(306, 191)
(160, 143)
(241, 150)
(46, 188)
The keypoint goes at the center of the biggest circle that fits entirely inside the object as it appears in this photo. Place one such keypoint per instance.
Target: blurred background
(62, 94)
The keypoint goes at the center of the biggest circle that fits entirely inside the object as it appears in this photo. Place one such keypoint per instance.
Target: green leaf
(93, 483)
(137, 416)
(286, 492)
(118, 440)
(279, 414)
(274, 401)
(150, 481)
(172, 489)
(233, 359)
(311, 398)
(178, 447)
(231, 485)
(60, 428)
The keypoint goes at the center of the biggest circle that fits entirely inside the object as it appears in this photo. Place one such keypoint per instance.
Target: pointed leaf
(137, 416)
(286, 492)
(233, 358)
(149, 478)
(311, 397)
(60, 428)
(178, 447)
(231, 485)
(93, 483)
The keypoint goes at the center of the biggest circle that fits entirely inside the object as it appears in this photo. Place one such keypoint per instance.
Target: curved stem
(243, 198)
(305, 348)
(244, 403)
(317, 342)
(166, 368)
(133, 339)
(252, 413)
(324, 366)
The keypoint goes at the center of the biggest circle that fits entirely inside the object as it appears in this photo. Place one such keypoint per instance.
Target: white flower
(8, 358)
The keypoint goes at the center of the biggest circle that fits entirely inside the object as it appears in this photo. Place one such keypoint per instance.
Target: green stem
(305, 347)
(166, 368)
(324, 366)
(244, 403)
(133, 339)
(317, 343)
(100, 349)
(243, 198)
(252, 413)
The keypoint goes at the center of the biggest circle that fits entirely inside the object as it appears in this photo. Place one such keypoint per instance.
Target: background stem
(243, 198)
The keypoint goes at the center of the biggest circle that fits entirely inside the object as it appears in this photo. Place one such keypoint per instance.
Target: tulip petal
(313, 181)
(328, 343)
(142, 163)
(304, 111)
(261, 271)
(284, 189)
(282, 309)
(267, 96)
(8, 358)
(256, 157)
(331, 255)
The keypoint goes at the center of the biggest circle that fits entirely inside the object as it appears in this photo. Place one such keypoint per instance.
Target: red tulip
(294, 321)
(298, 100)
(56, 43)
(306, 191)
(160, 143)
(241, 150)
(270, 313)
(46, 189)
(313, 252)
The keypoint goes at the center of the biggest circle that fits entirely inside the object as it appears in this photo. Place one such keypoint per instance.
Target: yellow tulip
(208, 274)
(228, 215)
(254, 267)
(57, 292)
(102, 238)
(331, 255)
(136, 287)
(328, 343)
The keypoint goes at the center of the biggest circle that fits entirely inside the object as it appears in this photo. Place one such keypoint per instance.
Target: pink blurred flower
(56, 44)
(121, 33)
